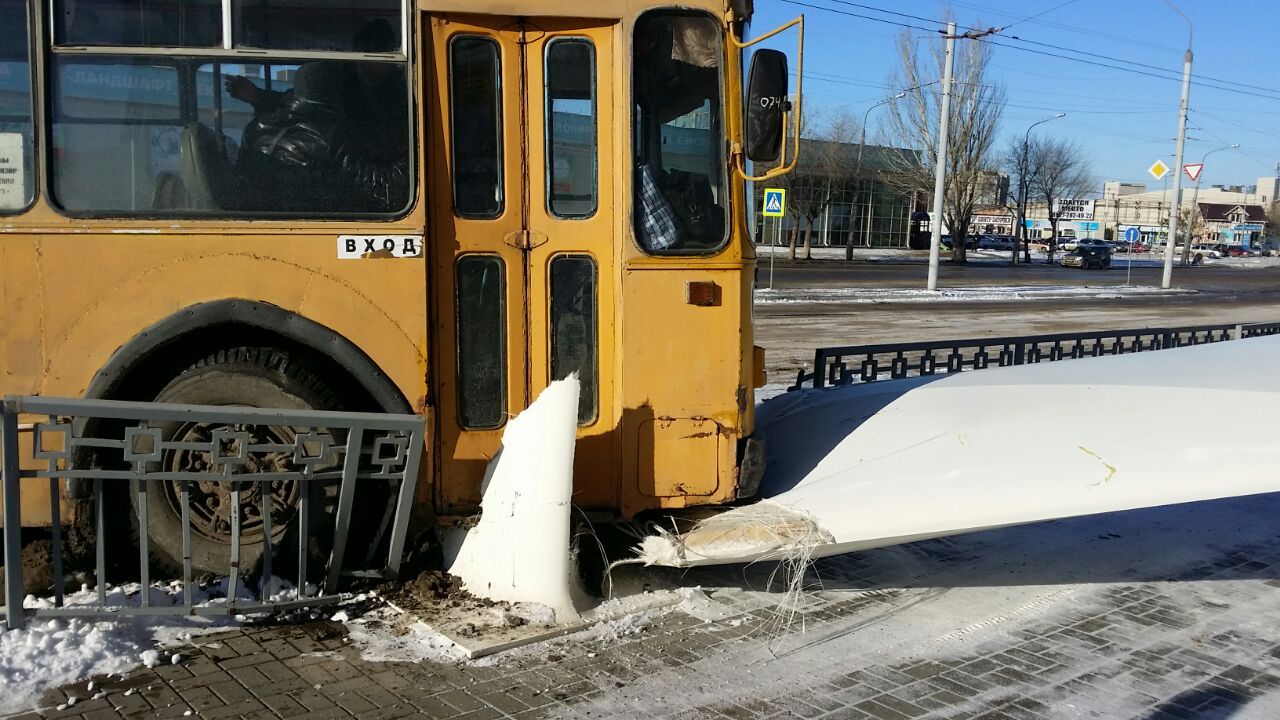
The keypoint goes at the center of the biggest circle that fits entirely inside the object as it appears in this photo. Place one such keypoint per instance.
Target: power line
(1168, 73)
(1038, 15)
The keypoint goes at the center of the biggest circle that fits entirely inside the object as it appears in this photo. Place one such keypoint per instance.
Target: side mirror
(766, 104)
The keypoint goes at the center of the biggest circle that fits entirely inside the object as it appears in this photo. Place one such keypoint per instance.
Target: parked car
(1067, 244)
(970, 243)
(1089, 255)
(1209, 251)
(1242, 251)
(1089, 243)
(996, 242)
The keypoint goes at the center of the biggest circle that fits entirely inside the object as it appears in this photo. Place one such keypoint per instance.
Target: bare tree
(823, 169)
(977, 104)
(1062, 173)
(1021, 165)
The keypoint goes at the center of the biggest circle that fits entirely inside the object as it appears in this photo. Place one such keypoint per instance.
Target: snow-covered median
(975, 293)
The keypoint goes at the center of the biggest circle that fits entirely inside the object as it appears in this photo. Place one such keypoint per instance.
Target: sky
(1123, 120)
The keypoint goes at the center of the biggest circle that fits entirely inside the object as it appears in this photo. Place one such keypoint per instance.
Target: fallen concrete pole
(519, 551)
(867, 466)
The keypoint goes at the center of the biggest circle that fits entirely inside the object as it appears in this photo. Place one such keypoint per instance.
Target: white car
(1206, 250)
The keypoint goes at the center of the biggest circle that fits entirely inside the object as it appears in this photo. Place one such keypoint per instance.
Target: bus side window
(117, 134)
(481, 337)
(311, 25)
(155, 23)
(17, 169)
(571, 127)
(475, 117)
(574, 345)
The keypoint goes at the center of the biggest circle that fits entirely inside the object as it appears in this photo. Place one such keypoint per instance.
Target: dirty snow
(50, 652)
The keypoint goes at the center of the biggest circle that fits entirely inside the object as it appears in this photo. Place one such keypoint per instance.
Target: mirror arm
(739, 158)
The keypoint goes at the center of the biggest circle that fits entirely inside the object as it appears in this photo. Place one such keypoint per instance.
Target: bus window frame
(44, 120)
(33, 86)
(549, 125)
(726, 184)
(500, 88)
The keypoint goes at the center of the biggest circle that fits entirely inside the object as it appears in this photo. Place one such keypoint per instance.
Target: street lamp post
(857, 175)
(1167, 279)
(1023, 190)
(940, 167)
(1195, 203)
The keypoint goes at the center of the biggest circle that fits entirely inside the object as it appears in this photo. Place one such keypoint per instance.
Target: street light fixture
(857, 174)
(1195, 203)
(1022, 183)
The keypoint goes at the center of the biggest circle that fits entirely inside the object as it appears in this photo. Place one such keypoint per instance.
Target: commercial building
(850, 199)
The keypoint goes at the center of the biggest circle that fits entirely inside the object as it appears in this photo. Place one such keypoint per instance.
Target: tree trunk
(791, 244)
(808, 240)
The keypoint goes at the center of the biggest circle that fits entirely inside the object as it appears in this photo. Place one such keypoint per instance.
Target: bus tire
(254, 377)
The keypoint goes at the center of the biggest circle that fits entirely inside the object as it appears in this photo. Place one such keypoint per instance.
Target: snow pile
(519, 551)
(900, 461)
(50, 652)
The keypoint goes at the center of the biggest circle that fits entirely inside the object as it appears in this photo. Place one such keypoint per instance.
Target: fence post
(819, 368)
(12, 516)
(1237, 332)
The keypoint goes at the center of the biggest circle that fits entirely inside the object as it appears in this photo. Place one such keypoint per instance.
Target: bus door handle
(525, 239)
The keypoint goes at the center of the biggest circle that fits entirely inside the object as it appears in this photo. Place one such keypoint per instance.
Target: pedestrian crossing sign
(775, 202)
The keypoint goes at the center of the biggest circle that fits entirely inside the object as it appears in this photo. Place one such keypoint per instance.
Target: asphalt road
(1233, 280)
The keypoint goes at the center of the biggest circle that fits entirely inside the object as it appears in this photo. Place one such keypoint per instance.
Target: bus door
(522, 238)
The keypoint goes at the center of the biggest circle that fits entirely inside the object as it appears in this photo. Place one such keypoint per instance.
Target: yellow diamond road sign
(1158, 170)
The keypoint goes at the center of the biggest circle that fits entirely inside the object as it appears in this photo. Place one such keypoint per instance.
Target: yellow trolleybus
(434, 207)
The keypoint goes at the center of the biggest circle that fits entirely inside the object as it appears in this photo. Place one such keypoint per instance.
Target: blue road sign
(774, 202)
(1132, 235)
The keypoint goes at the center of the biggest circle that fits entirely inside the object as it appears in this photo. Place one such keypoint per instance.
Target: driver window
(679, 178)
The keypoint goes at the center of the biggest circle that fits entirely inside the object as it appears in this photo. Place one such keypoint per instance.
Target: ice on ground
(520, 549)
(899, 461)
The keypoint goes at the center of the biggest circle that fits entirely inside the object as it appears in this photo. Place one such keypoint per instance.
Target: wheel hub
(211, 504)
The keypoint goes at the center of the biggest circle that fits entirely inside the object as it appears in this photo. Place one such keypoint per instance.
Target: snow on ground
(971, 597)
(975, 293)
(50, 652)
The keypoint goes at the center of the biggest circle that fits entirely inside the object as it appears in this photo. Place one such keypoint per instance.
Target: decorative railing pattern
(246, 467)
(869, 363)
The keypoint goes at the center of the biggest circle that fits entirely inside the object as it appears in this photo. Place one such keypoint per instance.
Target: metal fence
(869, 363)
(73, 436)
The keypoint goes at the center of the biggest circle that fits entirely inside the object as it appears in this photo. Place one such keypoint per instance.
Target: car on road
(1209, 251)
(970, 242)
(1074, 244)
(996, 242)
(1088, 256)
(1242, 251)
